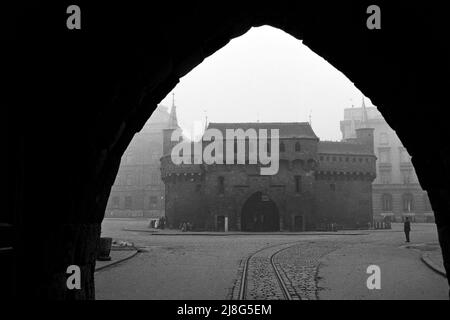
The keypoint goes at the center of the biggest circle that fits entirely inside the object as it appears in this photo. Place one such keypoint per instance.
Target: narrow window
(128, 202)
(386, 202)
(408, 202)
(282, 148)
(297, 147)
(115, 202)
(298, 184)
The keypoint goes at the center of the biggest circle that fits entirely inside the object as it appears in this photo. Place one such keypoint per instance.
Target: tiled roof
(286, 129)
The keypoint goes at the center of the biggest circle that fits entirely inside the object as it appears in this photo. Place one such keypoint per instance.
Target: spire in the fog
(364, 114)
(173, 121)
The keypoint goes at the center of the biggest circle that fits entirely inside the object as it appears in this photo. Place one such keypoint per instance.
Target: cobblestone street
(310, 265)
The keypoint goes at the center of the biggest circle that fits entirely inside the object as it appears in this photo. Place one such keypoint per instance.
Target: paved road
(320, 266)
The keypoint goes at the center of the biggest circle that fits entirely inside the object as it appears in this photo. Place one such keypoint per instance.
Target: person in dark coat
(407, 228)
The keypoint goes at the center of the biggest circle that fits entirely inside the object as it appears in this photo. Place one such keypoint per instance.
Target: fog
(265, 75)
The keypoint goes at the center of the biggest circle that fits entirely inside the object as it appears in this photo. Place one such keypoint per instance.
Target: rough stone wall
(342, 199)
(110, 76)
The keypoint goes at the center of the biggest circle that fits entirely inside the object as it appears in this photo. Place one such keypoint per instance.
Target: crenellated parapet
(344, 175)
(169, 170)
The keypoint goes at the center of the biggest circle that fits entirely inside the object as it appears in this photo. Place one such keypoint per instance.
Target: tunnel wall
(77, 97)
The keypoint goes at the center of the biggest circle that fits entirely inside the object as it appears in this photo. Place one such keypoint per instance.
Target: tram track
(276, 268)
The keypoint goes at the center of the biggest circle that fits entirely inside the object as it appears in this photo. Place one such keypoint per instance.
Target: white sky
(265, 74)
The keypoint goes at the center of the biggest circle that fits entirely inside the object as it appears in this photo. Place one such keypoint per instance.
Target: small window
(385, 176)
(407, 176)
(282, 148)
(198, 188)
(221, 185)
(346, 159)
(385, 155)
(333, 187)
(384, 138)
(297, 147)
(334, 159)
(321, 158)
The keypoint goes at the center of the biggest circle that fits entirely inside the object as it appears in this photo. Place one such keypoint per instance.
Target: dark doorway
(298, 223)
(260, 214)
(221, 223)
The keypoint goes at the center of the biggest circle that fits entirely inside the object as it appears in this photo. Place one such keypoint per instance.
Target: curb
(135, 252)
(433, 266)
(228, 234)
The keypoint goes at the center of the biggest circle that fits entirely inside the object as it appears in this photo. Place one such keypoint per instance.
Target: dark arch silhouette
(80, 95)
(260, 213)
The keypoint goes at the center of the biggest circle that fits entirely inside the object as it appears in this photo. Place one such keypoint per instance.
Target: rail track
(275, 267)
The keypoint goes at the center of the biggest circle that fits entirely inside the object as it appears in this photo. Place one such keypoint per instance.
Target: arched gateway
(260, 214)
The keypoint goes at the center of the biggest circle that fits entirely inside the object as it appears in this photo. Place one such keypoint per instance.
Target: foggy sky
(265, 75)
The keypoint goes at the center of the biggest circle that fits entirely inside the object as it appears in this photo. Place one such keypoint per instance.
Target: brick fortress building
(318, 183)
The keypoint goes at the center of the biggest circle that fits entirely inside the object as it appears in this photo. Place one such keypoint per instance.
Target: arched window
(282, 147)
(297, 147)
(408, 202)
(386, 202)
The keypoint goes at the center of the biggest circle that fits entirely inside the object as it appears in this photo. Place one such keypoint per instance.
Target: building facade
(318, 183)
(138, 190)
(396, 190)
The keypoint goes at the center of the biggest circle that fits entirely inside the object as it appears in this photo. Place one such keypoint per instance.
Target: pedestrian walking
(407, 228)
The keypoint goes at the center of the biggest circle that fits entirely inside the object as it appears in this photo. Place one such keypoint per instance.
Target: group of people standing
(185, 226)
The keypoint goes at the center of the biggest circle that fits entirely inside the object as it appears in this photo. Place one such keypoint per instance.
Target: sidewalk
(431, 255)
(434, 260)
(117, 255)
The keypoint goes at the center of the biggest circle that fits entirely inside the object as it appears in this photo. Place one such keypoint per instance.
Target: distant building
(318, 183)
(396, 190)
(138, 190)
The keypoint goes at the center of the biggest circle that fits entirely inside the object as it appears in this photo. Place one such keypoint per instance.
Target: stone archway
(260, 213)
(97, 86)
